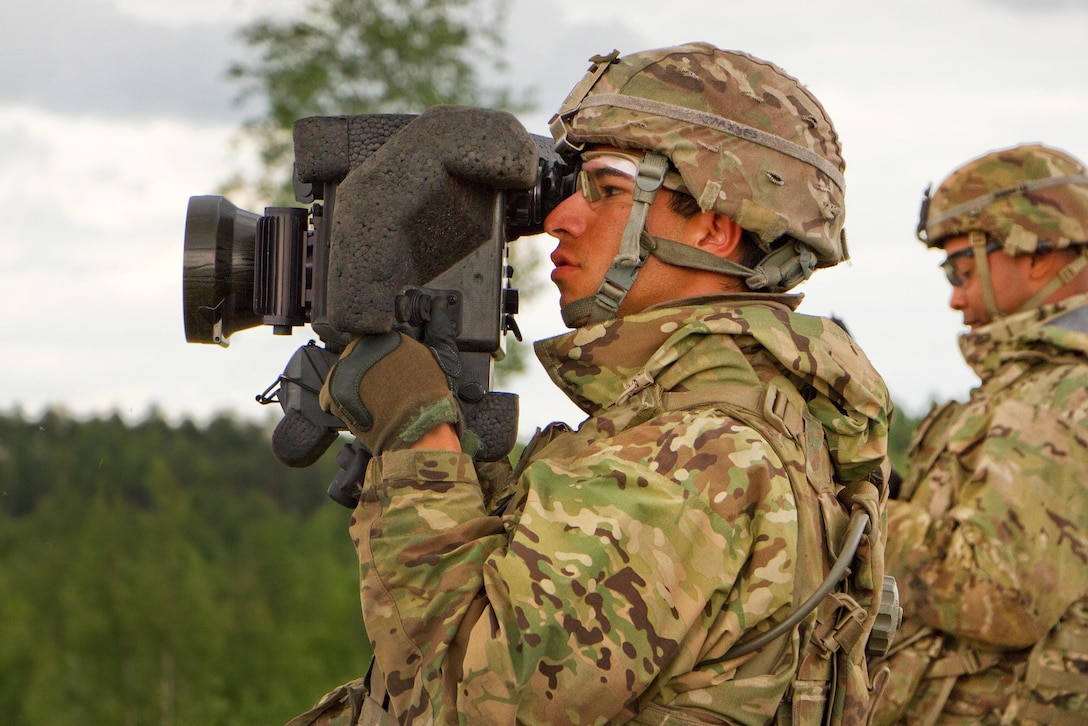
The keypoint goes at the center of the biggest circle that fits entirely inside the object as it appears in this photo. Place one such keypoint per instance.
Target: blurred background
(157, 565)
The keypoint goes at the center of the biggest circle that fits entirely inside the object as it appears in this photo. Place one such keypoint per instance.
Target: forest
(172, 574)
(168, 574)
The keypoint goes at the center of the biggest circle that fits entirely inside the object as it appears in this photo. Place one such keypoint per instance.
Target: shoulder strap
(836, 640)
(756, 406)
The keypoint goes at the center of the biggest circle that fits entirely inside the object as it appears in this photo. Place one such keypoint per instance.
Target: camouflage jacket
(991, 551)
(630, 551)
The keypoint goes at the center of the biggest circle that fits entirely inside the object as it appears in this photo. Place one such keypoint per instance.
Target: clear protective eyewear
(610, 176)
(949, 264)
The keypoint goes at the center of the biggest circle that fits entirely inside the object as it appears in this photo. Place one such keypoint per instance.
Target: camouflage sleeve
(613, 580)
(994, 545)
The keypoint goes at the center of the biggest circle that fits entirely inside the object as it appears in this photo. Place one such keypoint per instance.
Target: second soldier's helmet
(1025, 197)
(748, 140)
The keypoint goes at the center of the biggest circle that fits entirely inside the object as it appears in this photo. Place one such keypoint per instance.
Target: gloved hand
(389, 391)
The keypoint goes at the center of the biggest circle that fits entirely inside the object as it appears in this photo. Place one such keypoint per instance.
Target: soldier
(990, 542)
(728, 441)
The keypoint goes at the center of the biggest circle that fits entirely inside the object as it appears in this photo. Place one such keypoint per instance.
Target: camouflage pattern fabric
(1023, 196)
(631, 550)
(991, 550)
(749, 140)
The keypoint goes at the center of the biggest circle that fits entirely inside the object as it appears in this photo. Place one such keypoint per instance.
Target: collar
(1057, 329)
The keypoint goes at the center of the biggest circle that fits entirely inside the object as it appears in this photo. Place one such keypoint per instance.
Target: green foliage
(902, 428)
(347, 57)
(364, 56)
(161, 574)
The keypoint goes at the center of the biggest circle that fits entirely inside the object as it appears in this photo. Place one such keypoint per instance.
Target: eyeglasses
(949, 267)
(607, 177)
(610, 176)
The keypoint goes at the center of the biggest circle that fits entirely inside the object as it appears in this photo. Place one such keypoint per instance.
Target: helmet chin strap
(977, 241)
(1067, 273)
(668, 251)
(780, 270)
(621, 275)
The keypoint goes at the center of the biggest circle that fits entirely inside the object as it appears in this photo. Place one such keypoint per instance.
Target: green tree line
(158, 574)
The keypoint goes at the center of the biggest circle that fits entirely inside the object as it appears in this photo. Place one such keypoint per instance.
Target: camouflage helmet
(748, 140)
(1024, 197)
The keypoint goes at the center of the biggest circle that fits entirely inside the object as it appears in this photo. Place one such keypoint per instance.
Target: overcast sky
(114, 112)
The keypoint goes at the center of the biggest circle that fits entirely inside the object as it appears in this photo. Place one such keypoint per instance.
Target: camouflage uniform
(991, 549)
(730, 446)
(633, 549)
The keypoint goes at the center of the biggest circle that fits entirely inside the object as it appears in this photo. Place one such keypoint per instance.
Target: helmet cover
(1024, 197)
(748, 139)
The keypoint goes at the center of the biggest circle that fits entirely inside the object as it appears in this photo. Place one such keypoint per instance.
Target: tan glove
(389, 391)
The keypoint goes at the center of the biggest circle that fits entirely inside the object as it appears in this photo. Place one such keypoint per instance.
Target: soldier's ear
(1045, 265)
(716, 233)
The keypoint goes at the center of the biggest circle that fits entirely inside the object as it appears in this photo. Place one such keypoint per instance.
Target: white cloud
(82, 57)
(127, 114)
